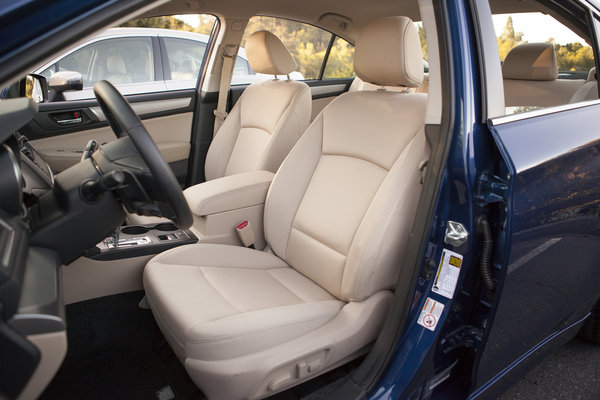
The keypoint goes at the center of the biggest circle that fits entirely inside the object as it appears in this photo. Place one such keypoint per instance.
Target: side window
(242, 67)
(185, 56)
(530, 45)
(127, 60)
(306, 43)
(79, 61)
(340, 63)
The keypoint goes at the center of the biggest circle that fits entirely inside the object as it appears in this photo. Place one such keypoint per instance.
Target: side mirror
(64, 81)
(33, 86)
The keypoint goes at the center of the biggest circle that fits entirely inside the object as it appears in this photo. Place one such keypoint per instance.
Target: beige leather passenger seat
(246, 323)
(530, 75)
(263, 126)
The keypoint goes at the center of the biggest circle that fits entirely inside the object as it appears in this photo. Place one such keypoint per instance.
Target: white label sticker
(430, 314)
(447, 274)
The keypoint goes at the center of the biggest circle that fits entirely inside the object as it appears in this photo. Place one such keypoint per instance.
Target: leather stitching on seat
(318, 240)
(356, 157)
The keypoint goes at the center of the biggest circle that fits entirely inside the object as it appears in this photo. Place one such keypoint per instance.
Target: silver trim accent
(69, 121)
(320, 90)
(148, 107)
(10, 241)
(538, 113)
(456, 234)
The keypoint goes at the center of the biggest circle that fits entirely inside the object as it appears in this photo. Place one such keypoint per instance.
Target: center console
(141, 240)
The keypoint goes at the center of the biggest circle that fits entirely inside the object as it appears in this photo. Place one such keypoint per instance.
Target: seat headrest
(388, 53)
(267, 55)
(115, 64)
(592, 75)
(531, 62)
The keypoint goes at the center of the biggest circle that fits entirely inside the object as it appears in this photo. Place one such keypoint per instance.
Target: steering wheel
(123, 120)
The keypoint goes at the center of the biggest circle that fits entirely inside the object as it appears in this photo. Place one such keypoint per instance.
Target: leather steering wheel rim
(123, 120)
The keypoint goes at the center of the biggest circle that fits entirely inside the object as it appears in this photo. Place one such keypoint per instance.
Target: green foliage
(423, 39)
(159, 22)
(509, 39)
(574, 57)
(341, 60)
(205, 23)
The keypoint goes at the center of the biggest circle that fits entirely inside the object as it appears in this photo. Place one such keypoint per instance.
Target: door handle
(68, 117)
(69, 121)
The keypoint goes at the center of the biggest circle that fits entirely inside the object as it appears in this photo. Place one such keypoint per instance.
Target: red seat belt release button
(245, 233)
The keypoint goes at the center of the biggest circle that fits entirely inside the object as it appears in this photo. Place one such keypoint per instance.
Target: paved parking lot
(572, 373)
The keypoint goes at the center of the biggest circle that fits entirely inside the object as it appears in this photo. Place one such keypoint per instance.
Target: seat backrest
(587, 91)
(340, 207)
(530, 75)
(268, 118)
(116, 71)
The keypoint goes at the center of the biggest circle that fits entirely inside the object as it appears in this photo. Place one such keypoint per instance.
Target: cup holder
(166, 227)
(140, 230)
(134, 230)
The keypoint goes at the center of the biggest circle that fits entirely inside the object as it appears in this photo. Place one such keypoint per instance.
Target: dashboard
(30, 291)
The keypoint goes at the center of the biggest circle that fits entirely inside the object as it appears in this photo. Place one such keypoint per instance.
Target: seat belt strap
(226, 73)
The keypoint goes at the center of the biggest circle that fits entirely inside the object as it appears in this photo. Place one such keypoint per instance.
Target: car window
(307, 44)
(340, 63)
(526, 90)
(127, 60)
(122, 60)
(184, 57)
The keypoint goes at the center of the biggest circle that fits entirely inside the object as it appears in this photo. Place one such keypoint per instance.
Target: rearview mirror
(64, 81)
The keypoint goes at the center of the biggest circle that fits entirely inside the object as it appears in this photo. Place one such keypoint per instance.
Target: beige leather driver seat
(248, 323)
(266, 121)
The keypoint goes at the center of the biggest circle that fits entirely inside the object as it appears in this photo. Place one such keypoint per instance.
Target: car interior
(286, 253)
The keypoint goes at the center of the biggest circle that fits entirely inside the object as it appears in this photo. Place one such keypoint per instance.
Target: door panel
(170, 133)
(552, 278)
(61, 130)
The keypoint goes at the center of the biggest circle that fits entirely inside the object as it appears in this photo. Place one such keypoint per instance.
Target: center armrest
(229, 193)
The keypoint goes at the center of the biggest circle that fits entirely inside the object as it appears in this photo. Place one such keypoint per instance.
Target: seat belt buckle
(245, 233)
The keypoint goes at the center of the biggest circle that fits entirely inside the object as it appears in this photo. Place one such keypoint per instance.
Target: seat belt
(228, 56)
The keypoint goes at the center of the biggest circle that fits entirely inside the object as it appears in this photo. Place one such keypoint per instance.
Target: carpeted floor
(116, 351)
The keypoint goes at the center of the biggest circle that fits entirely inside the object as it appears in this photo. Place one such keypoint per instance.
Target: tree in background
(569, 57)
(574, 57)
(423, 39)
(509, 39)
(159, 22)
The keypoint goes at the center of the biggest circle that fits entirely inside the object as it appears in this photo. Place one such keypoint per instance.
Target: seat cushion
(217, 302)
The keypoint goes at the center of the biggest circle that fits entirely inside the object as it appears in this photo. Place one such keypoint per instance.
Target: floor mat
(116, 351)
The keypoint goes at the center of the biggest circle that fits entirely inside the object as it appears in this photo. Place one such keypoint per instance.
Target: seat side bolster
(223, 143)
(289, 185)
(292, 124)
(229, 193)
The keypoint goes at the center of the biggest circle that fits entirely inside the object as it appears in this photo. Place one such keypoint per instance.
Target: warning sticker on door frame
(447, 274)
(430, 314)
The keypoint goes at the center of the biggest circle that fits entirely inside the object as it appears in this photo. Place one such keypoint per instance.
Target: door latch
(465, 336)
(492, 189)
